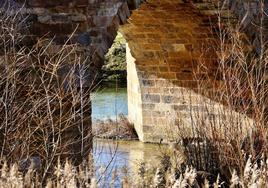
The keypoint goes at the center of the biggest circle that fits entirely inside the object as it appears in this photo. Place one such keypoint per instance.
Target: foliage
(115, 61)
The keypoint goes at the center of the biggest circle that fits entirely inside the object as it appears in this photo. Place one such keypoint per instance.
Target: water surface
(109, 103)
(114, 156)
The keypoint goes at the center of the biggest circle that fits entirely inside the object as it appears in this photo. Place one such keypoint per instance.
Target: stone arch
(93, 25)
(166, 39)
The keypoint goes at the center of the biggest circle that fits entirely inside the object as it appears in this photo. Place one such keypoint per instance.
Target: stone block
(162, 121)
(53, 3)
(148, 106)
(158, 113)
(169, 99)
(179, 47)
(151, 47)
(44, 18)
(40, 29)
(147, 120)
(176, 68)
(149, 55)
(152, 90)
(163, 68)
(147, 128)
(151, 68)
(151, 98)
(186, 83)
(183, 107)
(102, 21)
(185, 75)
(147, 113)
(167, 75)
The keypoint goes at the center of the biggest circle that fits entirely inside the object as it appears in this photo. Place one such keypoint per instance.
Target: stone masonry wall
(135, 115)
(254, 20)
(252, 16)
(93, 25)
(169, 41)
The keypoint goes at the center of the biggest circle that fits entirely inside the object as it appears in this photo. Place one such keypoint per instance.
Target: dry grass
(170, 172)
(114, 129)
(65, 175)
(44, 117)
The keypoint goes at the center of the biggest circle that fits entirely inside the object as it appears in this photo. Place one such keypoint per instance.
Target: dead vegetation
(114, 129)
(44, 118)
(44, 105)
(225, 137)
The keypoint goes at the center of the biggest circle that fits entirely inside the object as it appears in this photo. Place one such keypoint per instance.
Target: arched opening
(110, 98)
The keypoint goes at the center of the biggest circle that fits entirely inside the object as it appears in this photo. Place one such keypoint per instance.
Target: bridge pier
(89, 25)
(170, 51)
(172, 73)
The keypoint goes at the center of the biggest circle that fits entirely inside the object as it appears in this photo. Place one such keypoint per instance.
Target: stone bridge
(168, 41)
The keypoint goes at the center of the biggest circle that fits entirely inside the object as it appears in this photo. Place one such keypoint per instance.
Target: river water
(115, 158)
(109, 103)
(110, 155)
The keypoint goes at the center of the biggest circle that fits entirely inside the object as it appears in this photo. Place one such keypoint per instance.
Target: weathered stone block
(163, 68)
(147, 113)
(148, 106)
(147, 120)
(53, 29)
(158, 114)
(169, 99)
(167, 75)
(184, 107)
(152, 90)
(52, 3)
(149, 98)
(147, 128)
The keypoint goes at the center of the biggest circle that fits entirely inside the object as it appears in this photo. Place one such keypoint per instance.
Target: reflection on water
(109, 155)
(122, 154)
(109, 103)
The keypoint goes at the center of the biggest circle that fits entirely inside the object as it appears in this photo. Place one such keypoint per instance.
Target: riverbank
(118, 129)
(109, 113)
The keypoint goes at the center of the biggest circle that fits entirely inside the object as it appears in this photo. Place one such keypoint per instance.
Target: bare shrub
(228, 131)
(44, 103)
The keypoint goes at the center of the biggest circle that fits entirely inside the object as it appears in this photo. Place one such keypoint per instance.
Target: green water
(109, 103)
